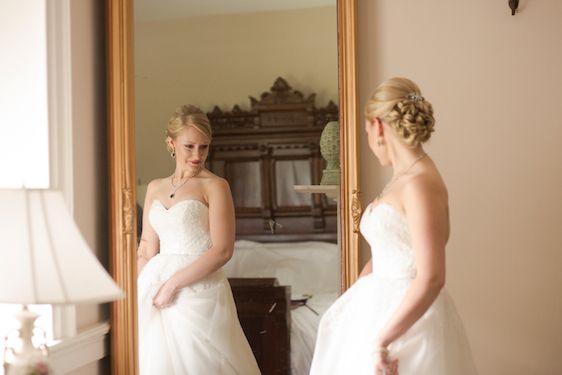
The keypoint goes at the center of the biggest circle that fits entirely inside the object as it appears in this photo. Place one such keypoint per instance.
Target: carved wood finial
(332, 106)
(282, 93)
(216, 111)
(280, 85)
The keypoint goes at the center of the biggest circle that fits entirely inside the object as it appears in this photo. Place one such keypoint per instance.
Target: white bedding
(304, 326)
(310, 268)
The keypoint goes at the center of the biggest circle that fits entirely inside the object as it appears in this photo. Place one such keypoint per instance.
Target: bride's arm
(223, 232)
(149, 242)
(425, 204)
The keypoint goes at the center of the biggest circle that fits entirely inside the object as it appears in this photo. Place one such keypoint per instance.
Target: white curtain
(288, 174)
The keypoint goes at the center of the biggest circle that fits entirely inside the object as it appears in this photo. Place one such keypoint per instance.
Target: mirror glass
(266, 74)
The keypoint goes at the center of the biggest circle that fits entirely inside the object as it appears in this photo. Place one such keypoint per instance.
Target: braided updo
(399, 104)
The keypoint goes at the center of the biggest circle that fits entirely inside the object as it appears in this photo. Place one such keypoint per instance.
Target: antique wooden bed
(258, 149)
(263, 152)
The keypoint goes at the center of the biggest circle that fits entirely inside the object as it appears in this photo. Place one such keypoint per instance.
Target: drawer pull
(272, 307)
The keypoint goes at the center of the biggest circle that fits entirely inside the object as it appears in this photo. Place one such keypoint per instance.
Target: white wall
(496, 85)
(23, 94)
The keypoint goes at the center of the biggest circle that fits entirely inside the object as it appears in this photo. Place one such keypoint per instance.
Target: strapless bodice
(183, 228)
(387, 232)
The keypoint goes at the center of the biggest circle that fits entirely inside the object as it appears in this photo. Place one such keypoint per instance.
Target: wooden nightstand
(264, 312)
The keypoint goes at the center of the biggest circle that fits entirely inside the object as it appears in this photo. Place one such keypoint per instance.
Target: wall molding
(59, 86)
(89, 345)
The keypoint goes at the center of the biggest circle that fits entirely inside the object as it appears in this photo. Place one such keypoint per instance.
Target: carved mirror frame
(122, 173)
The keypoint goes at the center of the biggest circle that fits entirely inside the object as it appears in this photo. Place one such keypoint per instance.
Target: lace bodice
(183, 228)
(386, 230)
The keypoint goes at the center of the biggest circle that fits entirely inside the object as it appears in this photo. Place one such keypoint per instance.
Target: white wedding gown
(200, 333)
(435, 345)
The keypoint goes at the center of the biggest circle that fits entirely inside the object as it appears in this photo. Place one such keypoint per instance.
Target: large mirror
(268, 93)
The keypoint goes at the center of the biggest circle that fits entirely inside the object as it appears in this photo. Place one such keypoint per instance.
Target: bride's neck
(183, 173)
(402, 157)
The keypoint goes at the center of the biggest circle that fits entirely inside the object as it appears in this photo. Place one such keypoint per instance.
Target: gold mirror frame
(122, 173)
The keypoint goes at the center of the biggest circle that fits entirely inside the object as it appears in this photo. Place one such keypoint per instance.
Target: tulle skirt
(199, 334)
(435, 345)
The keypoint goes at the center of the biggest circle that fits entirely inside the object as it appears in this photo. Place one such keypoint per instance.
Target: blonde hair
(399, 104)
(189, 115)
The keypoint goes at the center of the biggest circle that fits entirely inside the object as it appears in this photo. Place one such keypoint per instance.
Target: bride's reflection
(187, 317)
(285, 267)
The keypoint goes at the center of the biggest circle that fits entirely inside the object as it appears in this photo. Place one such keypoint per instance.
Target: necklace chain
(173, 193)
(398, 175)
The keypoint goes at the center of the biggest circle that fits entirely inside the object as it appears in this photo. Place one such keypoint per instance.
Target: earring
(380, 142)
(173, 154)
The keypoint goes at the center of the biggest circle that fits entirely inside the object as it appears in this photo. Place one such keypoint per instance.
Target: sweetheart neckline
(178, 203)
(397, 212)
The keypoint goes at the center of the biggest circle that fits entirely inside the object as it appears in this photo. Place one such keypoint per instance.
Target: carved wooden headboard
(263, 152)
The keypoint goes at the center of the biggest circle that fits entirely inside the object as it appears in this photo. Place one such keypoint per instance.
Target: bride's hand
(385, 365)
(165, 296)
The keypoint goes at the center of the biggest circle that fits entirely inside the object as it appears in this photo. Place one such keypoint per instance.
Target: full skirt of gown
(435, 345)
(199, 334)
(346, 343)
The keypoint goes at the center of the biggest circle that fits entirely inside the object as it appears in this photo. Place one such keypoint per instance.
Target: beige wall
(221, 60)
(89, 145)
(88, 133)
(496, 85)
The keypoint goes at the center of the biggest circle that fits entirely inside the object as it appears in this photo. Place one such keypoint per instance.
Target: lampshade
(43, 256)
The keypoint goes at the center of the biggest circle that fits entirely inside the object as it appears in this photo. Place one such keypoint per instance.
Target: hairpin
(414, 97)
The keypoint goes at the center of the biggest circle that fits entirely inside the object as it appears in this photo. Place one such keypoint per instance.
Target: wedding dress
(200, 333)
(435, 345)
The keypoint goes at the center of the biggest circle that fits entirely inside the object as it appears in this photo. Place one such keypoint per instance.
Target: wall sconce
(513, 4)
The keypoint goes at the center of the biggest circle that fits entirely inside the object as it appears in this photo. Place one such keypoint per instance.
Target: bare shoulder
(155, 185)
(425, 200)
(425, 188)
(213, 184)
(212, 180)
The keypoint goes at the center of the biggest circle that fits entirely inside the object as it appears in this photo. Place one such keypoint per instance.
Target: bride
(187, 318)
(397, 318)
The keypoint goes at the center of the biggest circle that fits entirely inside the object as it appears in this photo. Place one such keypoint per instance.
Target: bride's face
(192, 148)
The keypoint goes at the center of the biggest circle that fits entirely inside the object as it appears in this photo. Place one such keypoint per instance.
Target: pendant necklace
(173, 193)
(398, 175)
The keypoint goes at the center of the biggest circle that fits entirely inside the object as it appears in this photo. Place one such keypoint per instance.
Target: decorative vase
(330, 150)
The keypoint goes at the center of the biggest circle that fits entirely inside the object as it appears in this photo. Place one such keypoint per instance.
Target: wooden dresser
(264, 312)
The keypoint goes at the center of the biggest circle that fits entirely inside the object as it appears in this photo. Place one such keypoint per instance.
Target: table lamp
(44, 260)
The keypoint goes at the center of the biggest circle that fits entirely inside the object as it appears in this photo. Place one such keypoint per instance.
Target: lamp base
(21, 357)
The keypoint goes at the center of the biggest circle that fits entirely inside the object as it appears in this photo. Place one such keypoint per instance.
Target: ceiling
(150, 10)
